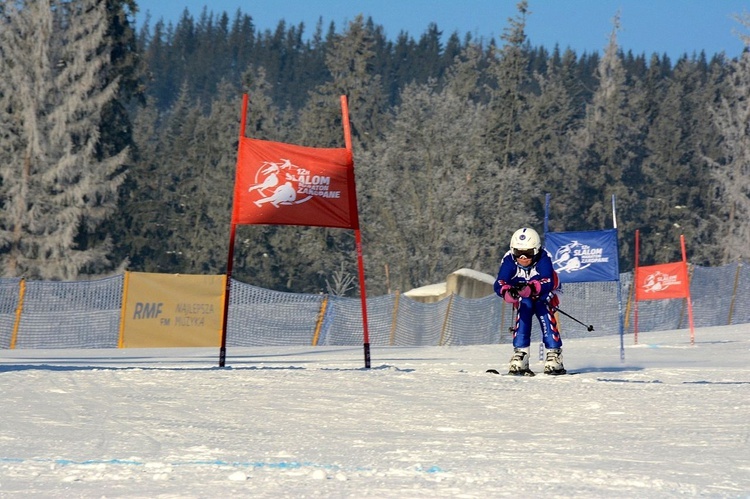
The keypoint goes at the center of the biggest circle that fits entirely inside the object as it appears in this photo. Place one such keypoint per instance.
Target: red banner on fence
(286, 184)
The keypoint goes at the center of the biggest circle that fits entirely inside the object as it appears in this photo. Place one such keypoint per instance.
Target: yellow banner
(172, 310)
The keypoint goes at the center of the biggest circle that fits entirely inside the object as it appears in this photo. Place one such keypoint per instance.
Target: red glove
(531, 288)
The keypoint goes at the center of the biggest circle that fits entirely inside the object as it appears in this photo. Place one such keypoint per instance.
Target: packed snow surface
(672, 419)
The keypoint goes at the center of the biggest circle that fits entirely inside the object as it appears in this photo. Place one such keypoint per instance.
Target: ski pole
(589, 327)
(512, 327)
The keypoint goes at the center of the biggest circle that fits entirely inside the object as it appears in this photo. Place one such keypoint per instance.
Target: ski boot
(554, 363)
(519, 363)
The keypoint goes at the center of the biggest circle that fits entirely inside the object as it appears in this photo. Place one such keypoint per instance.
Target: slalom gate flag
(286, 184)
(660, 282)
(589, 256)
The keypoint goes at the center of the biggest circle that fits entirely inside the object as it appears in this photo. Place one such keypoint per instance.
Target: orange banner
(286, 184)
(660, 282)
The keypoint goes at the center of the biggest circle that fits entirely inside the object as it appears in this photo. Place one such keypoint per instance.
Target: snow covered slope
(671, 420)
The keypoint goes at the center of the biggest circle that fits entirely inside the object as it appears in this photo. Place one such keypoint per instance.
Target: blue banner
(590, 256)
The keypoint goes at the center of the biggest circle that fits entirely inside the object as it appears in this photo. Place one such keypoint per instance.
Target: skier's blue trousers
(541, 308)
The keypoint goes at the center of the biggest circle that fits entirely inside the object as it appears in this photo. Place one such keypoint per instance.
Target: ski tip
(519, 374)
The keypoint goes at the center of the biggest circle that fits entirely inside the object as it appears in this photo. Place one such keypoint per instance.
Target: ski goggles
(525, 253)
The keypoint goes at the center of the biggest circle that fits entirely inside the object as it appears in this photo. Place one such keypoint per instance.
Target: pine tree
(140, 221)
(312, 254)
(732, 172)
(204, 182)
(508, 68)
(56, 190)
(154, 213)
(675, 176)
(127, 70)
(548, 161)
(431, 188)
(608, 147)
(350, 62)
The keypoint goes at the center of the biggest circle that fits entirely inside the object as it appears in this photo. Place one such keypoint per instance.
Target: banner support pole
(635, 287)
(614, 213)
(357, 236)
(230, 255)
(687, 288)
(619, 286)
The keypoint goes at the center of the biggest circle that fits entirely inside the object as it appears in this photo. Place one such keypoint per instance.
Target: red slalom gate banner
(286, 184)
(662, 282)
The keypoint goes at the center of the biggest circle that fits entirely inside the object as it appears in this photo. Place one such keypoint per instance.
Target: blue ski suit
(543, 304)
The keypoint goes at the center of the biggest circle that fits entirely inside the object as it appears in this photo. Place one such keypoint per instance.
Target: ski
(529, 374)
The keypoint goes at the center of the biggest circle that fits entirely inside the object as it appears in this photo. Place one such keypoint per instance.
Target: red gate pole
(357, 235)
(635, 294)
(230, 256)
(687, 280)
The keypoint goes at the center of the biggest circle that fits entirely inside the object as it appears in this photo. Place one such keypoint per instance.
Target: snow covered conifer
(732, 172)
(55, 192)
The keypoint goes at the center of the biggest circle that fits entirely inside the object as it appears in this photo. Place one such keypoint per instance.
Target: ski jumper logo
(658, 282)
(284, 183)
(576, 256)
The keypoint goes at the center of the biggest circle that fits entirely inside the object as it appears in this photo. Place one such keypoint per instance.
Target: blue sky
(674, 27)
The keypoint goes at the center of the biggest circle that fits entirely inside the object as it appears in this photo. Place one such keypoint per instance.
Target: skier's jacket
(540, 269)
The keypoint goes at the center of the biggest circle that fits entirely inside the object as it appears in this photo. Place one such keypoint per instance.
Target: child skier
(528, 281)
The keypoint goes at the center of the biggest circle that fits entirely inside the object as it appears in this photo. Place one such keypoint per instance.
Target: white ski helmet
(526, 239)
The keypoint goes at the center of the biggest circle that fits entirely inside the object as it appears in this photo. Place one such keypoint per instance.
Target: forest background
(118, 145)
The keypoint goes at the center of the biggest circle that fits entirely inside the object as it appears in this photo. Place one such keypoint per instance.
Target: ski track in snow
(671, 420)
